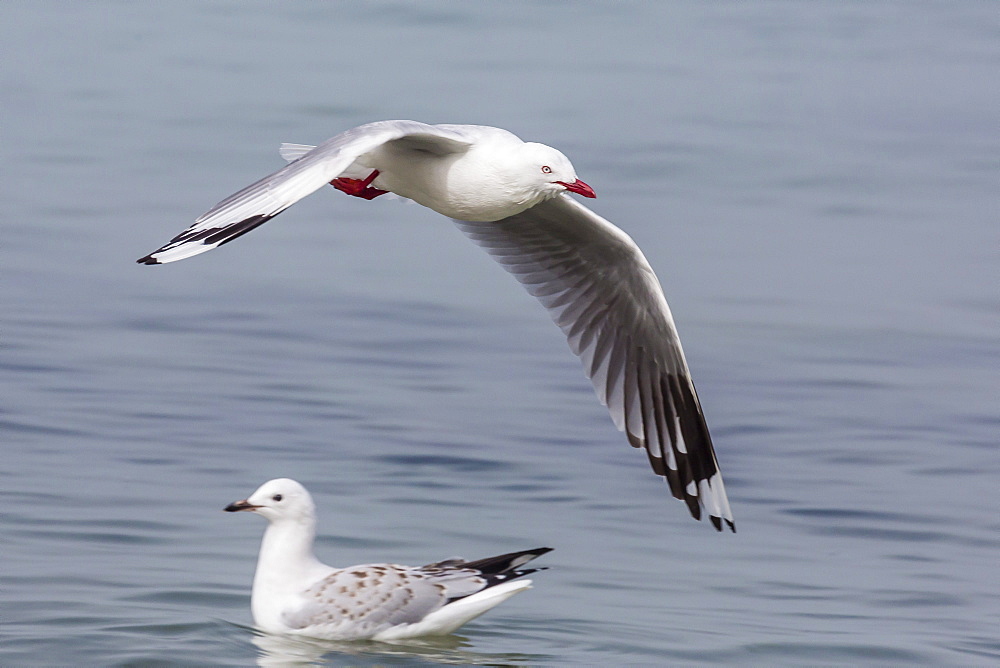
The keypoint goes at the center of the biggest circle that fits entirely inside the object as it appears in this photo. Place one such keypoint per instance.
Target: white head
(282, 499)
(549, 171)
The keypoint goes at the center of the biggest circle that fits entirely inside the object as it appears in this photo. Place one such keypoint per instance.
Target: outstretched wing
(601, 291)
(259, 202)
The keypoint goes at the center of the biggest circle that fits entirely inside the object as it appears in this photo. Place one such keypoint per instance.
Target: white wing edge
(292, 152)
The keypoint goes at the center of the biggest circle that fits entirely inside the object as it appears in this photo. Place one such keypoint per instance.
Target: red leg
(357, 187)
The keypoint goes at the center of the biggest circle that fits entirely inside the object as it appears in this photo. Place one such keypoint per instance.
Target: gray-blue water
(816, 185)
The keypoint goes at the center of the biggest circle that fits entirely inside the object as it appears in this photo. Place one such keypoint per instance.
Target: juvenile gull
(293, 592)
(509, 197)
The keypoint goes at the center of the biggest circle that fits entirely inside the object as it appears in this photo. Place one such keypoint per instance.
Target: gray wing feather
(601, 291)
(371, 597)
(260, 201)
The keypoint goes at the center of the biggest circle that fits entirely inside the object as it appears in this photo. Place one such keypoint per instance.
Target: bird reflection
(281, 650)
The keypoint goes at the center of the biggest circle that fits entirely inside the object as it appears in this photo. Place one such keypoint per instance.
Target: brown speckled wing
(376, 596)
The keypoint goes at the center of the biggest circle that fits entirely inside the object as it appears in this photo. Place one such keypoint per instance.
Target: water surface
(814, 184)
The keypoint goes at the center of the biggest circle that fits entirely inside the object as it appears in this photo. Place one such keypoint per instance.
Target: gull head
(550, 172)
(282, 499)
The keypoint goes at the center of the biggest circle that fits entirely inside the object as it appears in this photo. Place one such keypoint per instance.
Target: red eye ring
(546, 169)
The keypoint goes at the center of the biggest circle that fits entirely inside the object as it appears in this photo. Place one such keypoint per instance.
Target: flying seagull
(294, 593)
(510, 197)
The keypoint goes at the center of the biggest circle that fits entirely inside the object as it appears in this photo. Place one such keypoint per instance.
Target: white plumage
(295, 593)
(509, 197)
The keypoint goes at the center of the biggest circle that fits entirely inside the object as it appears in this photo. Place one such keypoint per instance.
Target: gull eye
(546, 169)
(276, 497)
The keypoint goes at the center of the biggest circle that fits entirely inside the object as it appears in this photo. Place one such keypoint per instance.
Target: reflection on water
(448, 650)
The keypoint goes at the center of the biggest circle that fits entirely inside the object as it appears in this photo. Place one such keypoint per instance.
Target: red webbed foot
(357, 187)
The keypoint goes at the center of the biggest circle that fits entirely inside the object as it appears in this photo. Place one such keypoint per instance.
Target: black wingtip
(717, 523)
(505, 563)
(224, 235)
(211, 237)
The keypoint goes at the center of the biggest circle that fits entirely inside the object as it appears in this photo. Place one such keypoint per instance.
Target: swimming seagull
(509, 196)
(293, 592)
